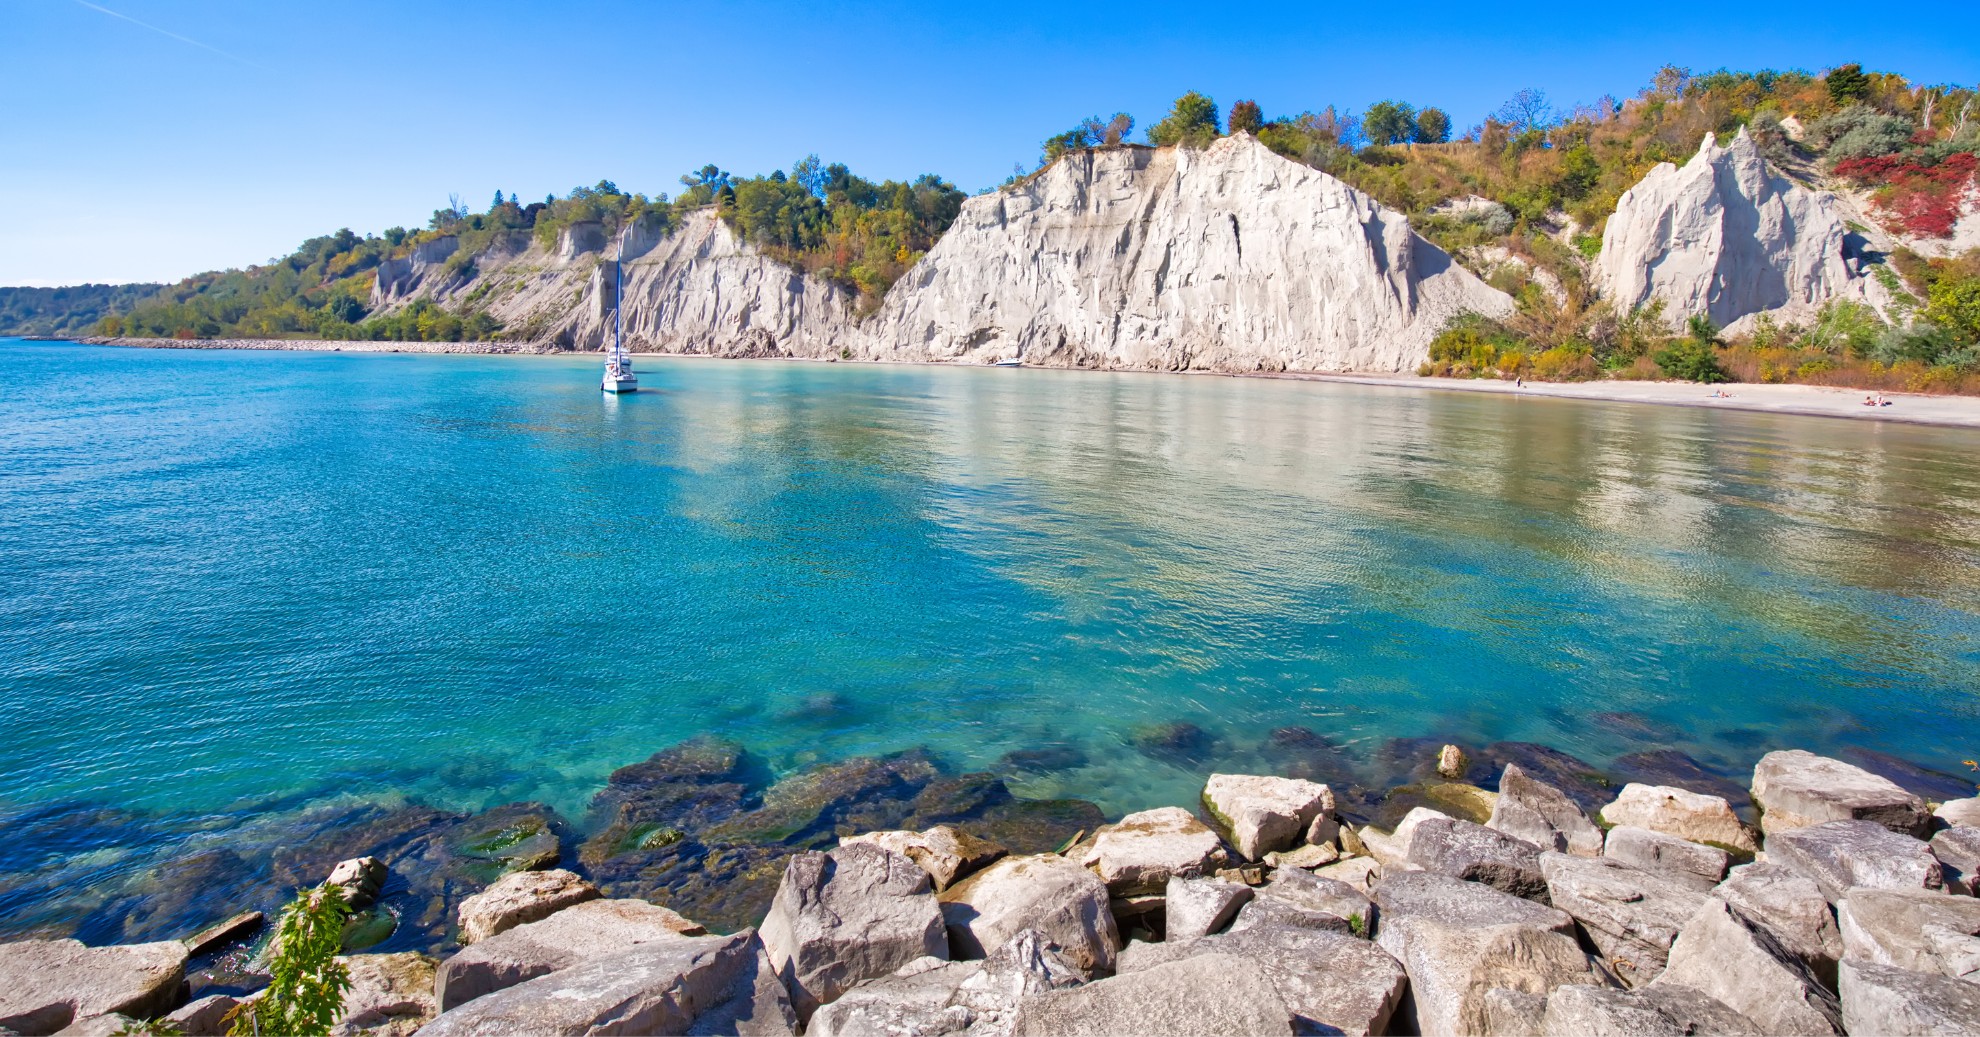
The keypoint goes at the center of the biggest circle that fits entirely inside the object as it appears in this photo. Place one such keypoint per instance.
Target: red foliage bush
(1924, 200)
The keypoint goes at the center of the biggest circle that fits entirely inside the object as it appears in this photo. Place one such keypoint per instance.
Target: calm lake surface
(232, 578)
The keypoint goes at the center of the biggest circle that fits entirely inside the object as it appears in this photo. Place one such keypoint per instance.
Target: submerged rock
(1178, 743)
(1669, 767)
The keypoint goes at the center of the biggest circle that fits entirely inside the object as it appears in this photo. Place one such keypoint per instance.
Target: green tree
(1246, 117)
(1389, 122)
(1954, 303)
(1847, 83)
(306, 982)
(1432, 126)
(1193, 122)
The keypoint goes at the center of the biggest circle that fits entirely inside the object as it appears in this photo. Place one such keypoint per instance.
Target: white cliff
(1727, 237)
(1231, 258)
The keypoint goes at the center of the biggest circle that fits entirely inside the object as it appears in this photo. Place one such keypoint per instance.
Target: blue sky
(222, 134)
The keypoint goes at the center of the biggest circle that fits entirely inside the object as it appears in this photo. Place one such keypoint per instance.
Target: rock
(390, 995)
(577, 934)
(1199, 907)
(1841, 854)
(1880, 999)
(1392, 848)
(1726, 237)
(1359, 872)
(1790, 906)
(1958, 851)
(518, 898)
(855, 913)
(1141, 852)
(1798, 789)
(101, 1026)
(1333, 983)
(1685, 862)
(1580, 780)
(1177, 743)
(1048, 893)
(945, 853)
(1263, 814)
(1538, 813)
(1279, 913)
(1632, 916)
(1464, 802)
(1306, 858)
(1512, 1013)
(1929, 785)
(1316, 895)
(45, 985)
(206, 1017)
(1673, 769)
(756, 1005)
(1200, 994)
(1462, 904)
(360, 879)
(915, 999)
(1920, 930)
(1740, 964)
(1026, 965)
(1475, 853)
(1961, 813)
(658, 987)
(1690, 816)
(1577, 1011)
(1452, 763)
(215, 937)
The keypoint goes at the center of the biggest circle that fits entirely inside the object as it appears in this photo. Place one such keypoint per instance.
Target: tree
(1246, 117)
(497, 203)
(1526, 110)
(1432, 126)
(1389, 122)
(1954, 302)
(809, 173)
(1192, 122)
(1847, 83)
(1058, 144)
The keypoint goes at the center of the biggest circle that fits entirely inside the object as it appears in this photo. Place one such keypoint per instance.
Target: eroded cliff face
(1231, 258)
(1726, 237)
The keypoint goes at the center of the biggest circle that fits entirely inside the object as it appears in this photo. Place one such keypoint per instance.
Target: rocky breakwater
(1726, 237)
(1281, 909)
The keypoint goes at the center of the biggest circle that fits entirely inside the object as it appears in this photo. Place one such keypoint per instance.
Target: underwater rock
(1582, 781)
(1177, 743)
(1673, 768)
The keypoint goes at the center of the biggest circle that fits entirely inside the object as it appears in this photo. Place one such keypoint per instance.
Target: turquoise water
(228, 578)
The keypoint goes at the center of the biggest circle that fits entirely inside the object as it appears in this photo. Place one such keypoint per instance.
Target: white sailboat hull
(620, 383)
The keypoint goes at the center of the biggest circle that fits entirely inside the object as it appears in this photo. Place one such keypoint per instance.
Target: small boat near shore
(1010, 362)
(619, 377)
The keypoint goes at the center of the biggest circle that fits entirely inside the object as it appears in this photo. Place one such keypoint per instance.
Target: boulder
(1538, 813)
(1511, 1013)
(1790, 906)
(1309, 857)
(1026, 965)
(1263, 814)
(1141, 851)
(1579, 1011)
(1391, 848)
(1313, 895)
(577, 934)
(944, 852)
(1475, 853)
(1676, 859)
(112, 1025)
(391, 995)
(1958, 851)
(855, 913)
(1797, 789)
(1048, 893)
(1916, 929)
(1200, 994)
(1632, 916)
(1894, 1002)
(1278, 913)
(1962, 813)
(215, 937)
(1452, 763)
(359, 879)
(757, 1005)
(914, 999)
(518, 898)
(207, 1017)
(1460, 903)
(1842, 854)
(46, 985)
(658, 987)
(1691, 816)
(1740, 964)
(1360, 872)
(1199, 907)
(1333, 983)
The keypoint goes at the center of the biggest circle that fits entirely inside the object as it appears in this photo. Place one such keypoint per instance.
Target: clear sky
(152, 139)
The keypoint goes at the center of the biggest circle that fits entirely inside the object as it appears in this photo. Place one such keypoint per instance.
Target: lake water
(231, 578)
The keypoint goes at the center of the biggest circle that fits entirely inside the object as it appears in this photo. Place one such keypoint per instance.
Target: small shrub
(307, 983)
(1691, 360)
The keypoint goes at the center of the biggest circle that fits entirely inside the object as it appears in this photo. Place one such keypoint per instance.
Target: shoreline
(1790, 399)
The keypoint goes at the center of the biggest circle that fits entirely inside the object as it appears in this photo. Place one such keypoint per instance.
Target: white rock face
(1726, 237)
(1231, 258)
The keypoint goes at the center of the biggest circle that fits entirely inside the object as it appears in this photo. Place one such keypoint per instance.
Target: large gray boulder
(1579, 1011)
(1958, 851)
(1463, 850)
(1741, 964)
(915, 999)
(1049, 893)
(944, 852)
(1026, 965)
(1360, 872)
(577, 934)
(1264, 814)
(1790, 906)
(1200, 994)
(519, 898)
(854, 913)
(359, 880)
(1894, 1002)
(658, 987)
(207, 1017)
(1199, 907)
(1691, 816)
(1797, 789)
(1333, 983)
(1460, 903)
(1314, 903)
(1632, 916)
(1964, 813)
(46, 985)
(390, 995)
(1538, 813)
(1138, 854)
(1688, 863)
(1841, 854)
(1920, 930)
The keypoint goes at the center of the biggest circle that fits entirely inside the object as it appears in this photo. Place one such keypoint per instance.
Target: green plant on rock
(306, 981)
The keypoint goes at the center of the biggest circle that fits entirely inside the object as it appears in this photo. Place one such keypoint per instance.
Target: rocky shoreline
(1515, 890)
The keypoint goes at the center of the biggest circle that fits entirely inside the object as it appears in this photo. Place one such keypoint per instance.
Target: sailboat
(618, 363)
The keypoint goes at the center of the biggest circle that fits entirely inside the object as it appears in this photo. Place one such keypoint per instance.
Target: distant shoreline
(1802, 400)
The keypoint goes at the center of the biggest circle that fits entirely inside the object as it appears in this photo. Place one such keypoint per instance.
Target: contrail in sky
(174, 35)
